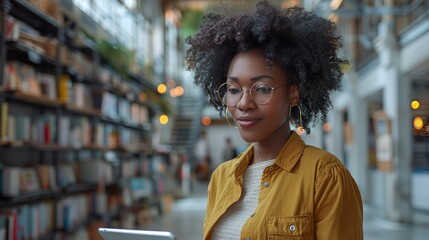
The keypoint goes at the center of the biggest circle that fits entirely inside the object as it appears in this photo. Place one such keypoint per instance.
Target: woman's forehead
(253, 65)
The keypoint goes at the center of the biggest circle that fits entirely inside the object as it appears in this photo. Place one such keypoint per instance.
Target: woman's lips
(246, 121)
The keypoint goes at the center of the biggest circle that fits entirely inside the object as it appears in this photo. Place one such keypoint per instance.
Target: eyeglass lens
(230, 94)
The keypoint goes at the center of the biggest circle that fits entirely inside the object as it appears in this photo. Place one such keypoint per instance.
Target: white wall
(420, 192)
(216, 137)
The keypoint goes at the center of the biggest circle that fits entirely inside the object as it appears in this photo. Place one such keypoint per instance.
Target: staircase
(187, 125)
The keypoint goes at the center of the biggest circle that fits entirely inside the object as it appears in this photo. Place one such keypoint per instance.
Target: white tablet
(128, 234)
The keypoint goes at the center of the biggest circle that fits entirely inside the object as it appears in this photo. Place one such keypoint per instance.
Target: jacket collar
(288, 156)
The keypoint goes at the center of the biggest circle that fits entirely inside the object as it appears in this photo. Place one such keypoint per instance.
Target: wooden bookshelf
(84, 111)
(31, 99)
(65, 132)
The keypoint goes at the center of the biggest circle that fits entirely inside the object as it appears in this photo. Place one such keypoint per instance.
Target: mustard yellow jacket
(306, 194)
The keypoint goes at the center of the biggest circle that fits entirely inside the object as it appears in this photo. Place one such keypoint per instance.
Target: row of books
(74, 211)
(24, 78)
(15, 181)
(120, 108)
(74, 131)
(32, 221)
(29, 221)
(36, 220)
(17, 31)
(37, 129)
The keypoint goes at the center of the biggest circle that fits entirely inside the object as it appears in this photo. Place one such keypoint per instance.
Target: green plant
(117, 55)
(190, 22)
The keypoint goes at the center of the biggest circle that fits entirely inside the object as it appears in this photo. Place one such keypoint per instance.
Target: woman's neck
(270, 148)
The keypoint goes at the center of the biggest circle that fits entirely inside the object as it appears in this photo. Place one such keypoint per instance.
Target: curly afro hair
(302, 43)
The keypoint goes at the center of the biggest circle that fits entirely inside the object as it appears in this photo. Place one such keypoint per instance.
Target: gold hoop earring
(226, 117)
(299, 127)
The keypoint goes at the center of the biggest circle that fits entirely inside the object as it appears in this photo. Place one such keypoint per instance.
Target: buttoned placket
(263, 191)
(266, 181)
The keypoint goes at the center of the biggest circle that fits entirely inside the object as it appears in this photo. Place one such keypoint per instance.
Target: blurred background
(100, 86)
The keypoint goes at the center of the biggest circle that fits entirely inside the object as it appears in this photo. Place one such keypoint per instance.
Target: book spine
(63, 89)
(4, 118)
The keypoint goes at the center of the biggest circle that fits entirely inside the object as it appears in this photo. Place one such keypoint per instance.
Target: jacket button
(292, 228)
(253, 214)
(248, 238)
(266, 184)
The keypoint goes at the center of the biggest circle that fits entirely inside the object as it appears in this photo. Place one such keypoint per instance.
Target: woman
(268, 69)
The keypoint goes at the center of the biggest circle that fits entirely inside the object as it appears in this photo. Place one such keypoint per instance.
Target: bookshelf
(75, 133)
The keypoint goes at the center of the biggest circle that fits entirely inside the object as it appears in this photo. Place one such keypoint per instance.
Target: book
(4, 118)
(46, 175)
(2, 227)
(12, 225)
(64, 133)
(63, 88)
(29, 181)
(11, 80)
(11, 181)
(48, 85)
(11, 133)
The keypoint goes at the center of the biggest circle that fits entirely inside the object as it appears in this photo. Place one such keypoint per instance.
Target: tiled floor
(186, 221)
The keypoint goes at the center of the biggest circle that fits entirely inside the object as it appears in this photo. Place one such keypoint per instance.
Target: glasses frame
(250, 93)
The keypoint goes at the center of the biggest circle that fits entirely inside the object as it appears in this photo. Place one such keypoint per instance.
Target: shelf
(26, 198)
(143, 81)
(49, 147)
(107, 119)
(13, 144)
(123, 149)
(32, 16)
(21, 52)
(35, 146)
(78, 188)
(76, 76)
(31, 99)
(85, 111)
(55, 147)
(132, 125)
(98, 148)
(48, 236)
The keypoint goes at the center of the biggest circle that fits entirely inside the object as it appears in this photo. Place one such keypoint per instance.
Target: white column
(358, 154)
(396, 99)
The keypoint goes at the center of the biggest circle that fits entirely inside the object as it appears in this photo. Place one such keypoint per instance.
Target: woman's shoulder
(323, 159)
(226, 167)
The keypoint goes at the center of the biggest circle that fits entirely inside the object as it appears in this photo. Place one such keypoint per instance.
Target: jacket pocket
(297, 227)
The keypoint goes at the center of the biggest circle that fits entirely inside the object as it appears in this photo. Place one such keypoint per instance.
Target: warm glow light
(163, 119)
(327, 127)
(415, 104)
(162, 88)
(171, 83)
(179, 91)
(418, 123)
(335, 4)
(173, 93)
(333, 17)
(206, 121)
(300, 130)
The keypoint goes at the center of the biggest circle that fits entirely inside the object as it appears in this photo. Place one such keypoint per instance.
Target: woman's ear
(293, 95)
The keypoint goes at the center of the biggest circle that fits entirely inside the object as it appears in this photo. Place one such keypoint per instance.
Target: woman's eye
(263, 89)
(233, 90)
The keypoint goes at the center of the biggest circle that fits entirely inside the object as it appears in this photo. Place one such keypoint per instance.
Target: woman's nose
(246, 101)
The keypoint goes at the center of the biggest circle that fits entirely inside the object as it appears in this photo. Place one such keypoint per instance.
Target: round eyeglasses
(230, 93)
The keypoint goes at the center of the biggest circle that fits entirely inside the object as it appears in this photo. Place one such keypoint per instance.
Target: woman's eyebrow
(235, 79)
(259, 77)
(254, 79)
